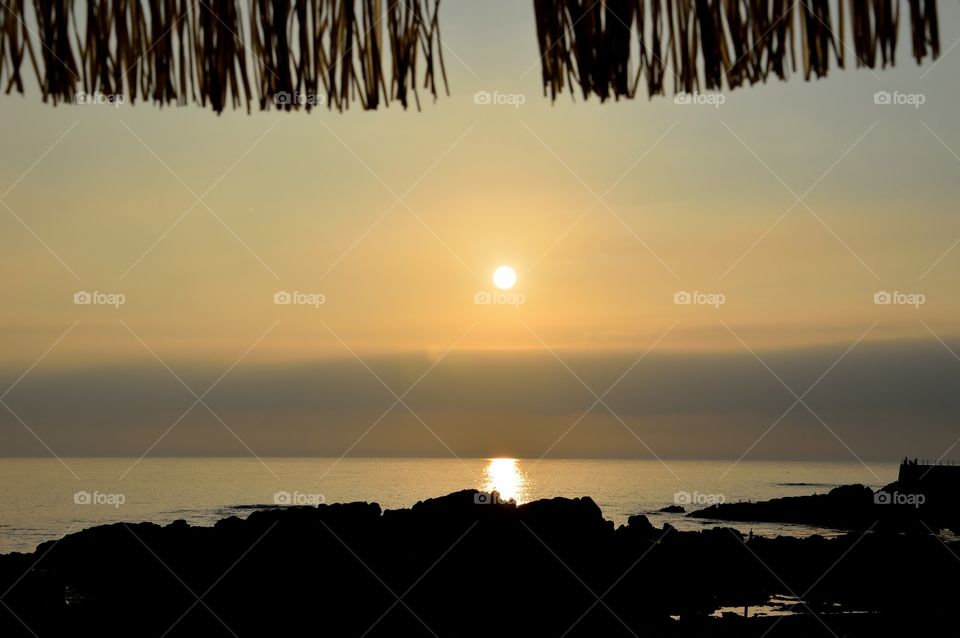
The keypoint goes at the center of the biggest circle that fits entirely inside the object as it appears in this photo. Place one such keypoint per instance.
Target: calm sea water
(41, 499)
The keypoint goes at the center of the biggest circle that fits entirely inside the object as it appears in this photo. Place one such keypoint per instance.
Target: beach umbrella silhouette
(302, 54)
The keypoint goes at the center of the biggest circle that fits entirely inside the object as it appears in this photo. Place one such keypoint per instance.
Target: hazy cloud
(880, 398)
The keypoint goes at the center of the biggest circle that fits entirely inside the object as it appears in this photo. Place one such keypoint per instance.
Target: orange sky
(796, 202)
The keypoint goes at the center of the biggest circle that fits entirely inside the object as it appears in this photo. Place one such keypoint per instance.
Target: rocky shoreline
(900, 506)
(462, 565)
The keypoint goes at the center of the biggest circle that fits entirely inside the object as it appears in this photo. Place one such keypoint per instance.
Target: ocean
(43, 499)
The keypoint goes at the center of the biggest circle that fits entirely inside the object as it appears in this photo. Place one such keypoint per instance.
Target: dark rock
(846, 507)
(672, 509)
(463, 566)
(640, 523)
(849, 507)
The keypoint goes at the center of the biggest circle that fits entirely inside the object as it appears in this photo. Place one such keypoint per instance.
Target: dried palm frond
(293, 53)
(712, 44)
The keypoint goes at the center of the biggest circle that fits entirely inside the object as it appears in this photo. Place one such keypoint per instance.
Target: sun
(504, 277)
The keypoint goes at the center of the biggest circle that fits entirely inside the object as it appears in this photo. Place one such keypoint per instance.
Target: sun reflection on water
(504, 476)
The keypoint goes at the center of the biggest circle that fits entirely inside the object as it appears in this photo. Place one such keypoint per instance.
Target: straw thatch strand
(285, 54)
(716, 44)
(292, 54)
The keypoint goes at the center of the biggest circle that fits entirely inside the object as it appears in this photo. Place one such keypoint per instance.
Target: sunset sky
(795, 201)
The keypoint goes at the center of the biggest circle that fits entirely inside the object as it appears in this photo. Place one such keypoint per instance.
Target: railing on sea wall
(929, 462)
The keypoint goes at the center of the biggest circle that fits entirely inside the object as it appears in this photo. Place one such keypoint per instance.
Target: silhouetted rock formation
(923, 498)
(845, 507)
(452, 567)
(672, 509)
